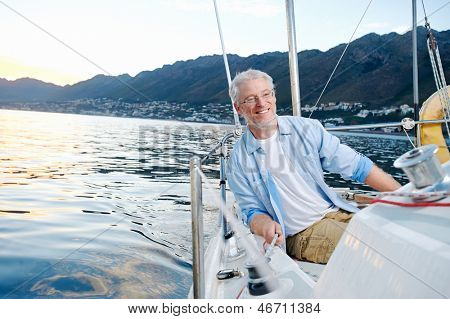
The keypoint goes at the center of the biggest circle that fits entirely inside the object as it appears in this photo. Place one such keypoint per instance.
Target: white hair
(245, 76)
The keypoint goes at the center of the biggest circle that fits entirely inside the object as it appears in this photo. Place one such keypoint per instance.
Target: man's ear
(237, 108)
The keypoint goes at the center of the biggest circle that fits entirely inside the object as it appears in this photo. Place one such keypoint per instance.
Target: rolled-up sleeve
(246, 198)
(341, 159)
(363, 169)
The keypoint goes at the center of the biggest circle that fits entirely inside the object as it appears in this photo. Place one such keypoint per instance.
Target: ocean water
(99, 207)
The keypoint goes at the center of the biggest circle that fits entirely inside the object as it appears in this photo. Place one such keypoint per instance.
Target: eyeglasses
(266, 96)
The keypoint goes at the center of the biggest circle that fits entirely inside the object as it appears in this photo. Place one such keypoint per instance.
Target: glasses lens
(264, 97)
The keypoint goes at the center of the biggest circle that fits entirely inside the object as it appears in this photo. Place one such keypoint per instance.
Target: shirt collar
(284, 126)
(252, 143)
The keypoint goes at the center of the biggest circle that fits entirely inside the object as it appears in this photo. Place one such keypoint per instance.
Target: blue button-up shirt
(311, 150)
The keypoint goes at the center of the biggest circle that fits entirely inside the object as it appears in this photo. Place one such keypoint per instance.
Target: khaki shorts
(317, 242)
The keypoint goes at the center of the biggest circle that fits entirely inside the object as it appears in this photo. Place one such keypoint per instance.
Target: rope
(342, 55)
(413, 195)
(438, 71)
(444, 87)
(407, 135)
(439, 77)
(240, 292)
(402, 204)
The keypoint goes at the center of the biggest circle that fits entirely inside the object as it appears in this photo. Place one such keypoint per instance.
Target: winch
(423, 169)
(261, 278)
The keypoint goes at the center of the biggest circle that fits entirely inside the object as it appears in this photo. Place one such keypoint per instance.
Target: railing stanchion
(223, 192)
(223, 195)
(198, 263)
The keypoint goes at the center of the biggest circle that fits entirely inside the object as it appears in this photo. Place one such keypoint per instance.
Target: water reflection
(78, 285)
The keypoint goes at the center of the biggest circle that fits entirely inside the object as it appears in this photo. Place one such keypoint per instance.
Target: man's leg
(317, 242)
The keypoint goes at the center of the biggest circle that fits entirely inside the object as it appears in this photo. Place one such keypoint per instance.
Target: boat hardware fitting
(225, 274)
(408, 123)
(261, 279)
(421, 166)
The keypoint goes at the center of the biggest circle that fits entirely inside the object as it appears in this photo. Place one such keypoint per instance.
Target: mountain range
(376, 70)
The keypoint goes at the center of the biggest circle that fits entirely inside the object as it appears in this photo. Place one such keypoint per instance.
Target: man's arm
(254, 211)
(339, 158)
(381, 181)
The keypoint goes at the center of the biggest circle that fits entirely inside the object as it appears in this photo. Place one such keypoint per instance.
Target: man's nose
(259, 100)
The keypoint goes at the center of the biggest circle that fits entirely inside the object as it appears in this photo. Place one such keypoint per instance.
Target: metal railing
(217, 146)
(381, 125)
(198, 263)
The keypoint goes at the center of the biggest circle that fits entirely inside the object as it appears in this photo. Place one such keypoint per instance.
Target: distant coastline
(372, 133)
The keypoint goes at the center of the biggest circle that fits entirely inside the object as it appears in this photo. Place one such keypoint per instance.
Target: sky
(67, 41)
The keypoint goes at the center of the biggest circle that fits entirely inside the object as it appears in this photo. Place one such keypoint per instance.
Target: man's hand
(264, 226)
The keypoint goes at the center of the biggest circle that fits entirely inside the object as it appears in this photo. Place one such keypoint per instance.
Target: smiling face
(257, 103)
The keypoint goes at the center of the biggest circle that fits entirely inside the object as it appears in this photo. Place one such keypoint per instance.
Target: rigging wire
(237, 123)
(342, 55)
(424, 12)
(81, 55)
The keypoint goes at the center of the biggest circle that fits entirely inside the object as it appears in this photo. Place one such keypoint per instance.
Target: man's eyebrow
(263, 91)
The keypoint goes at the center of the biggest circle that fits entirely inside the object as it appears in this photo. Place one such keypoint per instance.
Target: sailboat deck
(312, 270)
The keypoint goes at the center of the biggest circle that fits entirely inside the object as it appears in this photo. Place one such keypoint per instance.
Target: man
(276, 173)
